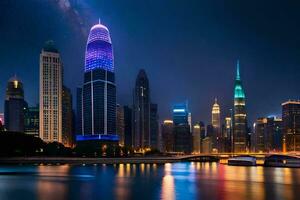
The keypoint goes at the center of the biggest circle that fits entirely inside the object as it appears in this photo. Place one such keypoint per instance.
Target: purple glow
(99, 53)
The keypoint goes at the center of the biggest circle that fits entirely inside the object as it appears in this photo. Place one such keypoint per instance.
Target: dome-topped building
(14, 105)
(97, 98)
(99, 53)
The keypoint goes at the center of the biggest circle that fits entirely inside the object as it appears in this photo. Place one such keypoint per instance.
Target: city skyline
(260, 69)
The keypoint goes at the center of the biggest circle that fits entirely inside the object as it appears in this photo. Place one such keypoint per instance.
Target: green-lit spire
(238, 88)
(238, 70)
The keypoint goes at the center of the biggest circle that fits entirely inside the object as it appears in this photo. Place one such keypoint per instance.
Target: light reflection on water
(148, 181)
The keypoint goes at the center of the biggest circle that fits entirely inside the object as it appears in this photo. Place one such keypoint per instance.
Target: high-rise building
(267, 135)
(154, 129)
(182, 131)
(98, 93)
(227, 134)
(67, 118)
(51, 79)
(14, 105)
(291, 125)
(258, 138)
(274, 134)
(128, 126)
(216, 123)
(31, 123)
(167, 136)
(202, 130)
(197, 138)
(240, 117)
(141, 111)
(78, 126)
(120, 124)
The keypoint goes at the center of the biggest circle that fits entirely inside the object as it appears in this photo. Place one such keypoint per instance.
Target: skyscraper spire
(238, 70)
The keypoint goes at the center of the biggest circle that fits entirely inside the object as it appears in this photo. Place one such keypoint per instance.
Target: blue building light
(99, 137)
(178, 110)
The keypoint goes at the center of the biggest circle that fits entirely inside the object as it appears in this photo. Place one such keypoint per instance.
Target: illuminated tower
(141, 111)
(98, 93)
(216, 124)
(50, 94)
(14, 105)
(240, 116)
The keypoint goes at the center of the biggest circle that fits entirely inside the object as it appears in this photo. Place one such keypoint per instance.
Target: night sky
(188, 48)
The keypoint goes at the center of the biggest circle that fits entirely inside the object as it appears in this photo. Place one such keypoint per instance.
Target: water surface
(148, 181)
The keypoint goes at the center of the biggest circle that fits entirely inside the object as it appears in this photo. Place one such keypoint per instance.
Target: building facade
(97, 96)
(128, 126)
(141, 112)
(240, 116)
(167, 136)
(14, 105)
(67, 118)
(120, 124)
(154, 126)
(51, 78)
(216, 124)
(31, 123)
(182, 130)
(197, 138)
(291, 125)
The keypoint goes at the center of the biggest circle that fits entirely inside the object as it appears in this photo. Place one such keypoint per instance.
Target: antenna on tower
(99, 20)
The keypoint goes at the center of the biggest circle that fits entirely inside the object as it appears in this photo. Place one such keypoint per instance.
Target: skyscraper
(291, 125)
(240, 116)
(182, 132)
(197, 138)
(98, 94)
(31, 123)
(154, 129)
(216, 123)
(14, 105)
(141, 111)
(67, 118)
(120, 124)
(167, 136)
(50, 94)
(128, 126)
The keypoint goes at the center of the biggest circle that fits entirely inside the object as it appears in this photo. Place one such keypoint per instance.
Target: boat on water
(282, 161)
(242, 161)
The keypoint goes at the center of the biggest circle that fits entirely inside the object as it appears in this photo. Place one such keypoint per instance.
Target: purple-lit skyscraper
(97, 98)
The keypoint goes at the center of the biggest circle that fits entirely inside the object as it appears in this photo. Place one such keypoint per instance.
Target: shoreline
(74, 160)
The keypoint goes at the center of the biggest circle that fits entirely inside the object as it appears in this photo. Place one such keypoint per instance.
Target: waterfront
(183, 180)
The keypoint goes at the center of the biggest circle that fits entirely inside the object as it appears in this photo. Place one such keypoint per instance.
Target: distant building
(154, 127)
(120, 124)
(240, 133)
(216, 124)
(78, 126)
(31, 122)
(128, 126)
(267, 135)
(181, 130)
(167, 136)
(2, 119)
(259, 135)
(197, 138)
(141, 111)
(202, 130)
(227, 134)
(51, 78)
(14, 105)
(274, 134)
(67, 118)
(291, 125)
(97, 96)
(206, 145)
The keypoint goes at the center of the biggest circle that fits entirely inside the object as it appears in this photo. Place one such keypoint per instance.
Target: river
(186, 180)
